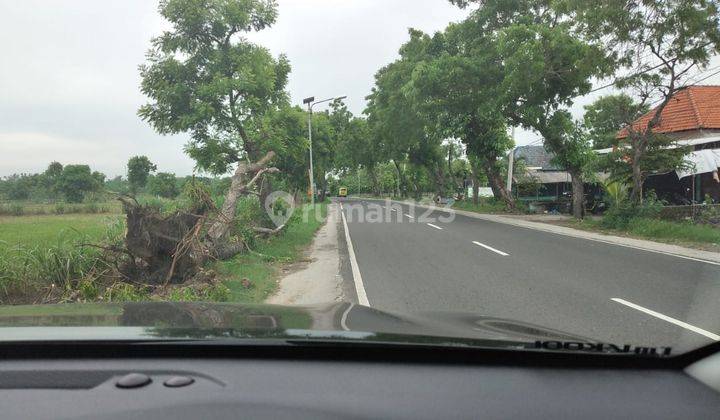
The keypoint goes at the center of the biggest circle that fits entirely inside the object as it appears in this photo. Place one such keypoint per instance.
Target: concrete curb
(645, 245)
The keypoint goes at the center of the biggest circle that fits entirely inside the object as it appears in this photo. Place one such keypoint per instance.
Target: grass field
(27, 208)
(262, 266)
(52, 230)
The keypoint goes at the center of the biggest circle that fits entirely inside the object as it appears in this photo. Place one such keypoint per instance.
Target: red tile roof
(693, 108)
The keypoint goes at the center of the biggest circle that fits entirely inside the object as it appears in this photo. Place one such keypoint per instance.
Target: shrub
(88, 290)
(709, 215)
(125, 292)
(91, 208)
(17, 210)
(622, 212)
(217, 292)
(59, 208)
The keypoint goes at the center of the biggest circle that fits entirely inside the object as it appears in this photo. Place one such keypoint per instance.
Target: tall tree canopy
(402, 131)
(204, 77)
(662, 44)
(524, 64)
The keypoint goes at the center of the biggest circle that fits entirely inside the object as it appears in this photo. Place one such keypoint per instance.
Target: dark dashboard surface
(256, 388)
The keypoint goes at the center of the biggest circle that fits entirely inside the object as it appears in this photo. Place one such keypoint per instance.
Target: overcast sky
(69, 84)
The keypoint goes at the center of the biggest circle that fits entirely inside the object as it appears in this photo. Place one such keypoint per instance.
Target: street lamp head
(341, 98)
(308, 100)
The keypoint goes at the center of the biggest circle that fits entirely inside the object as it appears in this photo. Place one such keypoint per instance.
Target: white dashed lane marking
(497, 251)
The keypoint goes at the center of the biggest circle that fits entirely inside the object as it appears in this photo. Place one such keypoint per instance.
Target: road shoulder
(320, 281)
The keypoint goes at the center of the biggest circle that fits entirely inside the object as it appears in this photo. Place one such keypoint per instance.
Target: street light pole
(311, 103)
(312, 173)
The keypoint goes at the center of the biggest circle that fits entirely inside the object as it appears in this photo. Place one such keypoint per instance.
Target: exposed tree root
(170, 249)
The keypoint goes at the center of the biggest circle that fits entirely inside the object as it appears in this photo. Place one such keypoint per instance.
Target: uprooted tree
(170, 248)
(204, 78)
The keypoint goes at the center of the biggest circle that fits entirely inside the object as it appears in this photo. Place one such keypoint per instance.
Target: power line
(706, 77)
(625, 78)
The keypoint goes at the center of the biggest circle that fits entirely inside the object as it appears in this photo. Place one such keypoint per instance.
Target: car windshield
(494, 173)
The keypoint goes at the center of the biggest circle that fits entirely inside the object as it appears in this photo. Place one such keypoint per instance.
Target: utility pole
(511, 162)
(310, 102)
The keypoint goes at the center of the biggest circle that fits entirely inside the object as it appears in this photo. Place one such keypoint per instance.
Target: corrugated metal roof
(535, 157)
(550, 177)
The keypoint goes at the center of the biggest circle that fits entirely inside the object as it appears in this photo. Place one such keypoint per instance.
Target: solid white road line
(343, 319)
(436, 227)
(409, 216)
(497, 251)
(357, 278)
(679, 323)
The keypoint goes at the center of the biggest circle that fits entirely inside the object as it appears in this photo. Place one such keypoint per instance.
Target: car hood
(210, 321)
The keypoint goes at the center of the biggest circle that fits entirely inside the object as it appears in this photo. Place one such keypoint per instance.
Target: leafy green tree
(356, 147)
(50, 178)
(53, 170)
(402, 132)
(19, 187)
(139, 168)
(605, 118)
(607, 115)
(288, 125)
(540, 65)
(204, 77)
(323, 150)
(76, 181)
(660, 43)
(457, 89)
(164, 184)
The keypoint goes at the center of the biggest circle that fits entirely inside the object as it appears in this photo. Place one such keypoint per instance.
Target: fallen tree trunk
(171, 248)
(239, 186)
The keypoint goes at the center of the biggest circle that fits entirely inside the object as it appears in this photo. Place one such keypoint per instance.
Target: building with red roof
(692, 117)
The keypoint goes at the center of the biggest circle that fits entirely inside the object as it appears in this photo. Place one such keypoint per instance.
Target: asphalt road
(411, 260)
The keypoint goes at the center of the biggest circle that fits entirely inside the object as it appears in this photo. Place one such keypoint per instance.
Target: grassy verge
(261, 267)
(484, 206)
(678, 233)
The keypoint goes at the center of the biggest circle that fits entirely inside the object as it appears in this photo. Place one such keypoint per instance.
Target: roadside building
(692, 117)
(541, 180)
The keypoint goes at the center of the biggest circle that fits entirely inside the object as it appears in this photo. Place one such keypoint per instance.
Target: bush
(38, 211)
(217, 292)
(125, 292)
(11, 210)
(708, 215)
(17, 210)
(91, 208)
(622, 212)
(59, 208)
